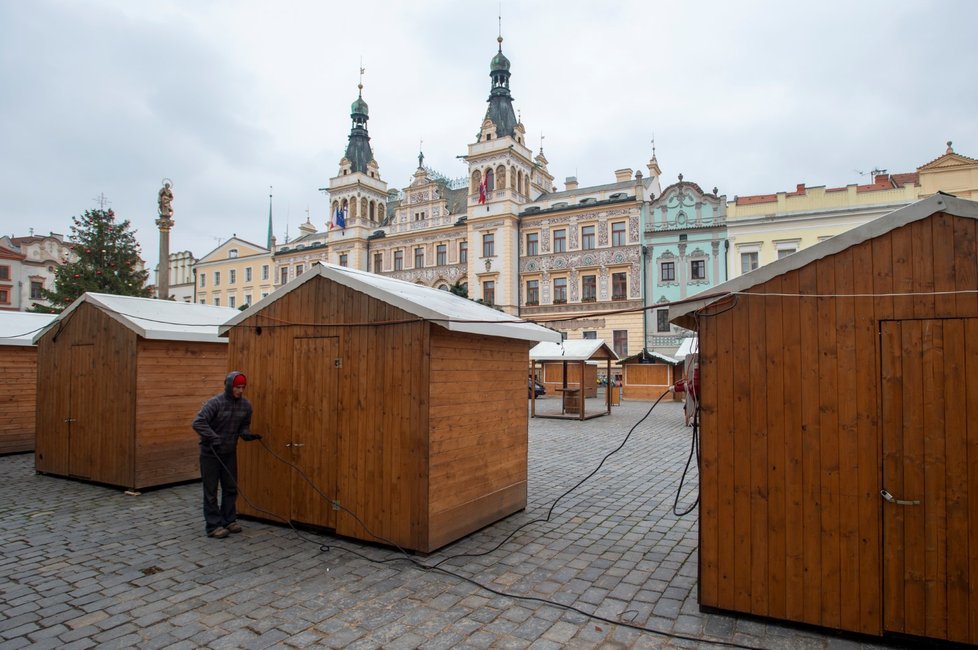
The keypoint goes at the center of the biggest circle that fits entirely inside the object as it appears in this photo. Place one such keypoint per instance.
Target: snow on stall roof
(19, 327)
(690, 345)
(166, 320)
(572, 350)
(452, 312)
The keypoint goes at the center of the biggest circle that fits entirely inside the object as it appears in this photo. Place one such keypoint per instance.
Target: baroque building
(687, 249)
(569, 259)
(27, 265)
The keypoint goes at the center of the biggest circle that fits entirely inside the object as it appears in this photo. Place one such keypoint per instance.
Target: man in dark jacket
(221, 420)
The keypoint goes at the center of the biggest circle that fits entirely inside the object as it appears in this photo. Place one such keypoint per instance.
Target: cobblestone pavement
(84, 565)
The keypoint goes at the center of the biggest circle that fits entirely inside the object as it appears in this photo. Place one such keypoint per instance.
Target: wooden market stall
(401, 408)
(18, 379)
(839, 395)
(119, 381)
(647, 375)
(570, 360)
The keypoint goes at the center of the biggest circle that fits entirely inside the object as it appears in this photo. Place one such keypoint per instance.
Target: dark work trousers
(220, 469)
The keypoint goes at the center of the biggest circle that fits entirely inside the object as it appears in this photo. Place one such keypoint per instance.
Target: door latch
(69, 420)
(889, 498)
(295, 444)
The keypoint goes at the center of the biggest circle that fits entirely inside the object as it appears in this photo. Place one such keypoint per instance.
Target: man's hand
(248, 436)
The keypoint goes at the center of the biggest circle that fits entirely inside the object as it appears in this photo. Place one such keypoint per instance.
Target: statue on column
(166, 200)
(165, 223)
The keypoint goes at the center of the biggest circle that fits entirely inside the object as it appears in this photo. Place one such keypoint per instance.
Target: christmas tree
(106, 261)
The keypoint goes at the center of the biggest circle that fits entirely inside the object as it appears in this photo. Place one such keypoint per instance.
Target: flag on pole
(339, 219)
(483, 189)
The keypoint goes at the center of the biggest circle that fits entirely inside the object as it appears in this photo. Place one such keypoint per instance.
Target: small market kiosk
(400, 409)
(839, 430)
(120, 379)
(573, 364)
(18, 377)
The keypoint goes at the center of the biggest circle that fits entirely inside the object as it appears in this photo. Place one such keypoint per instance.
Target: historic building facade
(766, 227)
(503, 233)
(27, 266)
(686, 253)
(235, 274)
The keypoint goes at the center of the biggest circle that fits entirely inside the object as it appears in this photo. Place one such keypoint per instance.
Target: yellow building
(235, 274)
(763, 228)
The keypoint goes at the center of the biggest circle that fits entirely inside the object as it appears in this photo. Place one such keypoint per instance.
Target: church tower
(358, 195)
(503, 176)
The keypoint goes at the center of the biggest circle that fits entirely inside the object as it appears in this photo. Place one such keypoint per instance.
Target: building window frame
(619, 233)
(662, 325)
(489, 244)
(533, 292)
(588, 238)
(399, 260)
(441, 255)
(619, 285)
(697, 270)
(532, 243)
(589, 288)
(560, 240)
(560, 290)
(489, 292)
(620, 342)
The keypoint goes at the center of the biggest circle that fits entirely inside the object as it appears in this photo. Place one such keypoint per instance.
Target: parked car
(536, 386)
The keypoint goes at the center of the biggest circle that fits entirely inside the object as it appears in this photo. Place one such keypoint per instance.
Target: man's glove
(250, 436)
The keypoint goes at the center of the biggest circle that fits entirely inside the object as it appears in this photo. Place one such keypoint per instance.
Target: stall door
(930, 478)
(81, 427)
(315, 370)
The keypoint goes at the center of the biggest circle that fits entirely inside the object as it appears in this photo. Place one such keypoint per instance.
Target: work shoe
(219, 532)
(233, 527)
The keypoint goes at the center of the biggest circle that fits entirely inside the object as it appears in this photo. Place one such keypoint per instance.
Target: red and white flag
(483, 189)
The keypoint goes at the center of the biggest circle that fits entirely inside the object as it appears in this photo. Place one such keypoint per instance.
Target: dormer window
(233, 253)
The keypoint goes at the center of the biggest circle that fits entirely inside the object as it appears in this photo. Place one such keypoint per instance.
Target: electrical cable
(694, 448)
(17, 336)
(405, 556)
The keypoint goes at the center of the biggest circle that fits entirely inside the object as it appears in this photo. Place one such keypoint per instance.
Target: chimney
(570, 183)
(622, 175)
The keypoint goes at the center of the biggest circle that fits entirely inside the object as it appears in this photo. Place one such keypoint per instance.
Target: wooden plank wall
(790, 515)
(553, 376)
(173, 380)
(646, 380)
(18, 390)
(479, 423)
(108, 411)
(382, 426)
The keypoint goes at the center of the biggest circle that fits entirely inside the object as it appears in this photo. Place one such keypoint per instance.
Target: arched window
(381, 214)
(490, 180)
(476, 181)
(501, 177)
(373, 210)
(363, 207)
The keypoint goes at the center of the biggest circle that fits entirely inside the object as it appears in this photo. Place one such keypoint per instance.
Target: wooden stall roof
(150, 318)
(19, 327)
(647, 356)
(572, 350)
(443, 308)
(690, 345)
(683, 313)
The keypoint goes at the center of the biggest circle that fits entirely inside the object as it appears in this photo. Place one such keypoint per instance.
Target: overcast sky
(227, 98)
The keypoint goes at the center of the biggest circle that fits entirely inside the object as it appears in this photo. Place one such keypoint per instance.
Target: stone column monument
(165, 222)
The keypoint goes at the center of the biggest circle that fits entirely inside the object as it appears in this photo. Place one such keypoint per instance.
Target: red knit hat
(239, 380)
